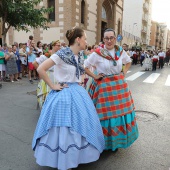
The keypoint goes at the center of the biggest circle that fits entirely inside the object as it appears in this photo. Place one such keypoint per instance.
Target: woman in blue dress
(68, 132)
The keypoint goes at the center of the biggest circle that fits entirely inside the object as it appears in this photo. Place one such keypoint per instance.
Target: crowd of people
(16, 61)
(150, 59)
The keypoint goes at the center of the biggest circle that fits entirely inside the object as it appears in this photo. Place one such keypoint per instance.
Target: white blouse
(155, 57)
(64, 72)
(161, 54)
(106, 66)
(41, 59)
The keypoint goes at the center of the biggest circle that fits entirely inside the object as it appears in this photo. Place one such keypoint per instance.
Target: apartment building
(159, 36)
(168, 39)
(137, 23)
(146, 23)
(94, 16)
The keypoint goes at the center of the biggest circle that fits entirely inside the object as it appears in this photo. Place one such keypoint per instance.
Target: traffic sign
(119, 38)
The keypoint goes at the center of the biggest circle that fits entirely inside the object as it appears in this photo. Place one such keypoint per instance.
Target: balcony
(145, 18)
(144, 42)
(144, 29)
(146, 7)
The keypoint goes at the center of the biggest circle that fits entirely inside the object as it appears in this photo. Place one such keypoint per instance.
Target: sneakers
(31, 81)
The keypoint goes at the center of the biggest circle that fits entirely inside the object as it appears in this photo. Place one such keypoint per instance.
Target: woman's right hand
(59, 87)
(99, 76)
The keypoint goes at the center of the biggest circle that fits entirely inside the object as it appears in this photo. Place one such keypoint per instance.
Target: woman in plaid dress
(68, 132)
(110, 93)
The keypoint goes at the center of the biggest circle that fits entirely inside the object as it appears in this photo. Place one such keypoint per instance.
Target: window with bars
(82, 11)
(51, 3)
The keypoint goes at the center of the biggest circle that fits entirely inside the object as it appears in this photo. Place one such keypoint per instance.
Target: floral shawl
(106, 54)
(68, 57)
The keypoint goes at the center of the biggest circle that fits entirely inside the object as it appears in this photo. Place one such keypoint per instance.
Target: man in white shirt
(161, 55)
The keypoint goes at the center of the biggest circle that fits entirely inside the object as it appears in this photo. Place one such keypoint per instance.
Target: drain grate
(146, 116)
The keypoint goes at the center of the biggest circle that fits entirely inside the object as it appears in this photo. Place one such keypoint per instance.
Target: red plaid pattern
(111, 97)
(115, 131)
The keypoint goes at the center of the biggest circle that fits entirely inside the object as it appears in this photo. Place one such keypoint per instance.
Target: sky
(161, 11)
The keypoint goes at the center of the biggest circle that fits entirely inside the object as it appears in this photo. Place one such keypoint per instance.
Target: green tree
(22, 13)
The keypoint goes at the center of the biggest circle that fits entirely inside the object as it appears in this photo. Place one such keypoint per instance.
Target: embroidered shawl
(107, 55)
(68, 57)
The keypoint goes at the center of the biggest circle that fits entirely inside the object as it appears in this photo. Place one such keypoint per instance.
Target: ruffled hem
(64, 148)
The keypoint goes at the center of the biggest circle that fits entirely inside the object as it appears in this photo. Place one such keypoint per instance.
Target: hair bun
(69, 34)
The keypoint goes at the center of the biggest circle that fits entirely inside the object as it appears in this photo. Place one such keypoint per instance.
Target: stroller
(147, 63)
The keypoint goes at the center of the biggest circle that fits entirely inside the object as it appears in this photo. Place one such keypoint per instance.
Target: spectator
(5, 49)
(31, 52)
(63, 44)
(18, 60)
(2, 65)
(45, 48)
(31, 38)
(23, 57)
(11, 66)
(39, 47)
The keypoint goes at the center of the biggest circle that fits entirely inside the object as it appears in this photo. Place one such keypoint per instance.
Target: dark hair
(31, 37)
(73, 33)
(89, 48)
(20, 45)
(110, 29)
(92, 46)
(44, 45)
(38, 43)
(50, 46)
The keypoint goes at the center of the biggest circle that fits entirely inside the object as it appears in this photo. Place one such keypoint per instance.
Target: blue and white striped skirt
(68, 132)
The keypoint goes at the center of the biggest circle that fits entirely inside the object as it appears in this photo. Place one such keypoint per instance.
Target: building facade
(132, 17)
(154, 36)
(168, 39)
(94, 16)
(137, 23)
(146, 23)
(159, 36)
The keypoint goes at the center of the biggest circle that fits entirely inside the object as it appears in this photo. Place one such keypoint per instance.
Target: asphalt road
(18, 118)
